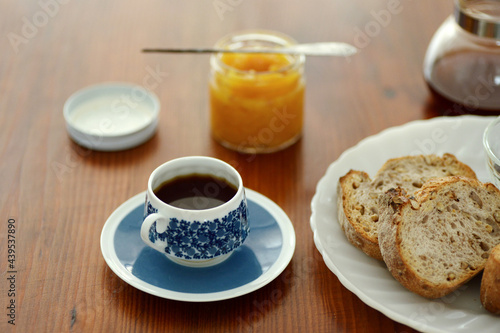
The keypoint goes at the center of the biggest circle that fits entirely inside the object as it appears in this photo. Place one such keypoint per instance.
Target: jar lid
(111, 116)
(481, 19)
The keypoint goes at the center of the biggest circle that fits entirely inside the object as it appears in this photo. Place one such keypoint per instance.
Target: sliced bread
(490, 283)
(358, 194)
(438, 239)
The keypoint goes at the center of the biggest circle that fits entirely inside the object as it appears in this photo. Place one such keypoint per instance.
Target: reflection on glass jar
(256, 100)
(462, 64)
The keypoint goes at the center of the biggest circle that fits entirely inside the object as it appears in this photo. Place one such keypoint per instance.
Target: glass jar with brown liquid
(462, 63)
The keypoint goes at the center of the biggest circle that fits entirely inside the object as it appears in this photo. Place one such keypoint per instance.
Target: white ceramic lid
(111, 116)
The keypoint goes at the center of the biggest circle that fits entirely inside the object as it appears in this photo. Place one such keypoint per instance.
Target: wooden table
(58, 195)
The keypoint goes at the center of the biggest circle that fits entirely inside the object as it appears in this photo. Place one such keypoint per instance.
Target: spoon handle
(312, 49)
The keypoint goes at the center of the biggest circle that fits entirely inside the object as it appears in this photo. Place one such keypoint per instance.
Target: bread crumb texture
(358, 205)
(490, 283)
(448, 238)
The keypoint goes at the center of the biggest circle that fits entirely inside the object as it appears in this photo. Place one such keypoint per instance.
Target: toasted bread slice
(358, 195)
(438, 239)
(490, 283)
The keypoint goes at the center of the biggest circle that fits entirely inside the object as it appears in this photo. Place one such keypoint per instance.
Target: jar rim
(478, 18)
(270, 38)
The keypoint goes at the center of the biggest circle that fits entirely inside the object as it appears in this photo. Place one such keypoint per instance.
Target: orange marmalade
(256, 100)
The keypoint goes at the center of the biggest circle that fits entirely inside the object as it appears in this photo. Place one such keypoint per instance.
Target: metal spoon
(310, 49)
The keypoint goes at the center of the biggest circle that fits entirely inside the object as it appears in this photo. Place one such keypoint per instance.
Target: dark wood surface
(60, 194)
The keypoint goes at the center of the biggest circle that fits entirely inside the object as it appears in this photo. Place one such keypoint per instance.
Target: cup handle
(146, 226)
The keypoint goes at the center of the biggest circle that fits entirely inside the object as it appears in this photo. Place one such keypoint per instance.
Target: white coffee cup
(195, 237)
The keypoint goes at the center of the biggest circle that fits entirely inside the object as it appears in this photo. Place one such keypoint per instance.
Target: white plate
(265, 254)
(369, 279)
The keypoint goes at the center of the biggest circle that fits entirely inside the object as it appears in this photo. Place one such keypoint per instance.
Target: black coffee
(195, 191)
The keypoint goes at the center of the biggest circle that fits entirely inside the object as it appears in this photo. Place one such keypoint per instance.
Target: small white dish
(111, 116)
(265, 254)
(368, 278)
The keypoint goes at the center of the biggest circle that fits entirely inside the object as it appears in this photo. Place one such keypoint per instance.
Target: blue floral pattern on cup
(149, 209)
(202, 239)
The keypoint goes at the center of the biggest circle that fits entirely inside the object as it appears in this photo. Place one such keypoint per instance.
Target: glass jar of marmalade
(462, 63)
(256, 100)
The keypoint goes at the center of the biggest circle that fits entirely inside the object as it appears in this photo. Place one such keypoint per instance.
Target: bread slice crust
(438, 239)
(490, 283)
(358, 194)
(357, 228)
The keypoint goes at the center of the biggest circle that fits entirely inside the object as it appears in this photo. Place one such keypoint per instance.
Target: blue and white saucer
(264, 255)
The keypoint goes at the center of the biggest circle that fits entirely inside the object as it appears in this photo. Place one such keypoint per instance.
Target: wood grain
(60, 194)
